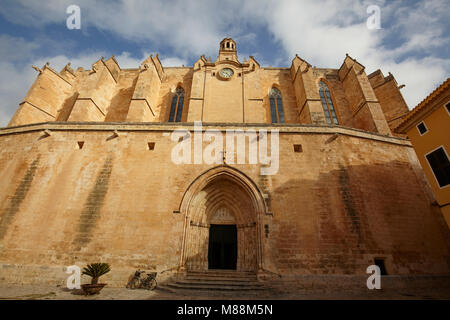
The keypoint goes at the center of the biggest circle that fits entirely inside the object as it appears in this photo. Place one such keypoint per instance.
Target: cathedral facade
(88, 173)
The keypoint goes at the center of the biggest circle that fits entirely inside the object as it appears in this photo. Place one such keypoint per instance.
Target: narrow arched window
(327, 104)
(276, 106)
(176, 109)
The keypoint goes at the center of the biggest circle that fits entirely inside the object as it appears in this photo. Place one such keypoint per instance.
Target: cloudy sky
(413, 42)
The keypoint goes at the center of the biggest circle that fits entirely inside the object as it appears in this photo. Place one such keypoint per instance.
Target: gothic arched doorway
(223, 211)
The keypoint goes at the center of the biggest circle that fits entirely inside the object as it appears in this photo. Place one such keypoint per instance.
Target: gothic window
(176, 109)
(327, 104)
(276, 106)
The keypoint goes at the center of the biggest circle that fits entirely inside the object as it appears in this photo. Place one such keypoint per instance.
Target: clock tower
(222, 87)
(227, 50)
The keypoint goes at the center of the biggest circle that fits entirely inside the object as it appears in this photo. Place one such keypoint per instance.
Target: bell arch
(228, 194)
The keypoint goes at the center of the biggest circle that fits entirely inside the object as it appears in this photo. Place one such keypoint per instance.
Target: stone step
(165, 288)
(219, 282)
(224, 273)
(213, 287)
(214, 293)
(222, 270)
(215, 278)
(219, 271)
(215, 274)
(219, 275)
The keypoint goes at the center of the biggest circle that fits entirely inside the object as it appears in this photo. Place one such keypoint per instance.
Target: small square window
(80, 144)
(380, 263)
(422, 128)
(447, 106)
(151, 146)
(298, 148)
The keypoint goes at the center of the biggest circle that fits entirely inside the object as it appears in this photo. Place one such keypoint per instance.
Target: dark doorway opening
(222, 250)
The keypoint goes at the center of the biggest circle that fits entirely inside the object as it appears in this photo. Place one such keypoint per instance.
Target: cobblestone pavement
(49, 292)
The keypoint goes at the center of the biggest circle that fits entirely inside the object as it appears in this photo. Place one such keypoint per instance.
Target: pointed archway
(222, 196)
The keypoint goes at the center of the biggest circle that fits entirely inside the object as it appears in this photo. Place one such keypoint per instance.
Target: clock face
(226, 73)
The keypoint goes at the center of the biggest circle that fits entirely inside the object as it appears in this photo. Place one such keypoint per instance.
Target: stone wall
(390, 98)
(79, 193)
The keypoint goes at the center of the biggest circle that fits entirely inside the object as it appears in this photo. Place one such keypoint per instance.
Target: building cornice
(169, 126)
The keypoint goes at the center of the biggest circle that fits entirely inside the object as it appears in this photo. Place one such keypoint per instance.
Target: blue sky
(413, 43)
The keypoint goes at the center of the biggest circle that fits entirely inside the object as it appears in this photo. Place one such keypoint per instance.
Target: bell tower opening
(227, 50)
(227, 44)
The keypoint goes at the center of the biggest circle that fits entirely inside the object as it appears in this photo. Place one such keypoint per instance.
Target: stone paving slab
(50, 292)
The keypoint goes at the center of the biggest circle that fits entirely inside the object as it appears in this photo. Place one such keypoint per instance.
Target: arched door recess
(222, 196)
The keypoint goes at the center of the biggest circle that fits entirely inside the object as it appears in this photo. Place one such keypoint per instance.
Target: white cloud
(163, 22)
(173, 62)
(34, 13)
(323, 33)
(126, 61)
(14, 49)
(420, 76)
(14, 82)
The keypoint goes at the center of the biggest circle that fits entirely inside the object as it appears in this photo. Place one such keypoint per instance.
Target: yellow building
(428, 127)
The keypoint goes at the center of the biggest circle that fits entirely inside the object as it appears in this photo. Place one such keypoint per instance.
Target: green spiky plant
(96, 270)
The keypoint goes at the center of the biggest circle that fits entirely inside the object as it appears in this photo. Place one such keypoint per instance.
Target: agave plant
(95, 270)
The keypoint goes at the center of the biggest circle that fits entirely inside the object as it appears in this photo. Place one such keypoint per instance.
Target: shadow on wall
(7, 215)
(67, 107)
(91, 210)
(120, 104)
(337, 223)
